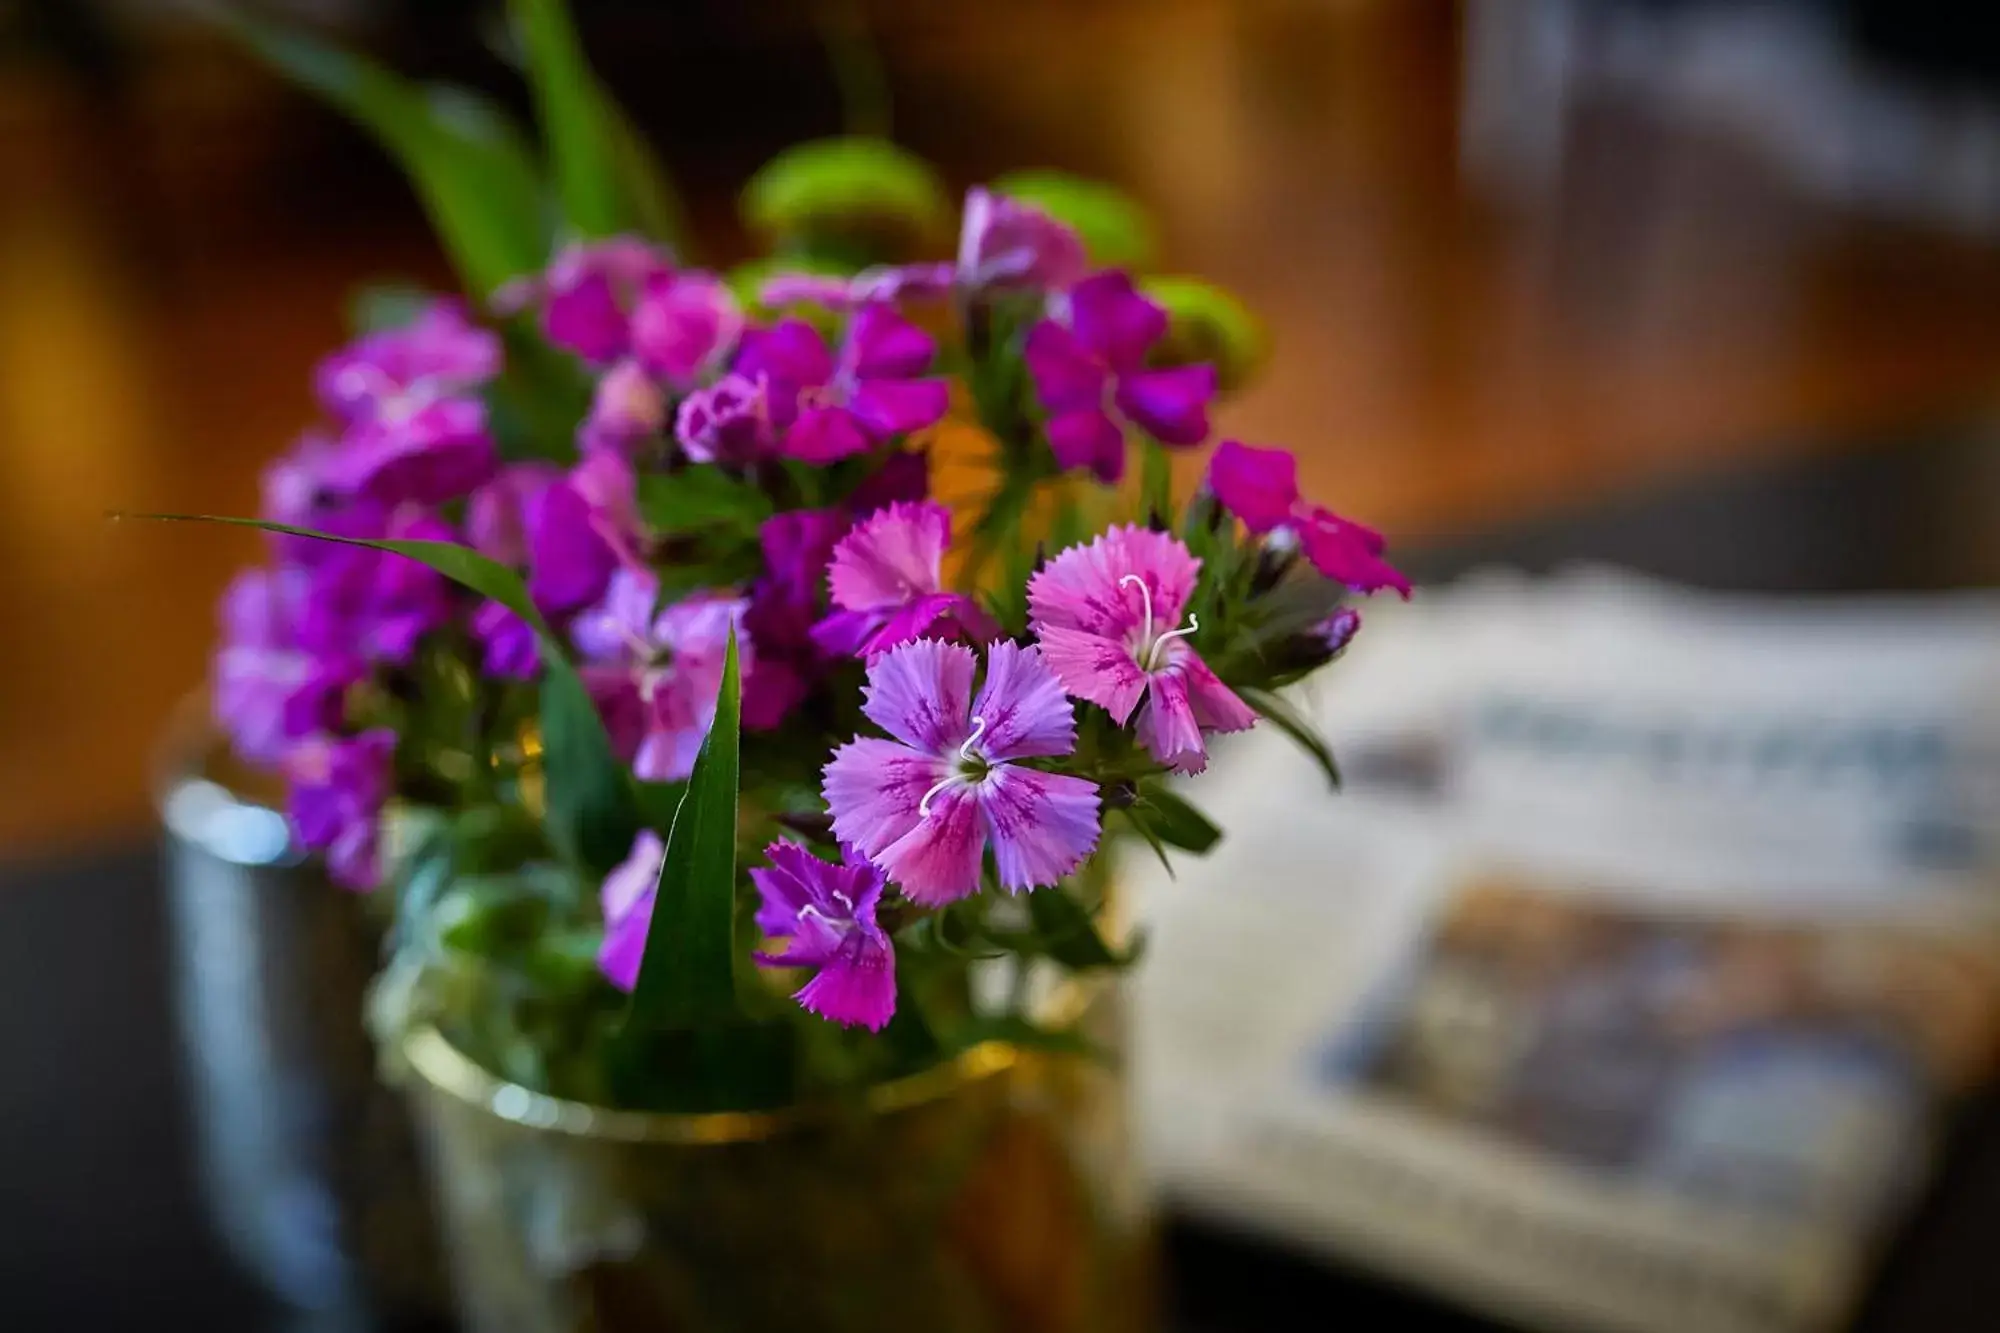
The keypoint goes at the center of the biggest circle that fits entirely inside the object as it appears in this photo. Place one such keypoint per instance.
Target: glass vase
(996, 1192)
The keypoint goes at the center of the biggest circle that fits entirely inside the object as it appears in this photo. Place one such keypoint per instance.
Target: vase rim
(432, 1057)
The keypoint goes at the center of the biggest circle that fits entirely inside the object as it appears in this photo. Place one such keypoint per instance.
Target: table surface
(100, 1223)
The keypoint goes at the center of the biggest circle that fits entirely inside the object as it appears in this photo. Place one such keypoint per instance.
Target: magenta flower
(588, 294)
(1004, 243)
(729, 422)
(338, 785)
(370, 603)
(496, 521)
(1338, 630)
(1261, 487)
(887, 583)
(270, 691)
(413, 428)
(829, 407)
(925, 806)
(576, 529)
(1090, 373)
(823, 916)
(655, 677)
(684, 328)
(1108, 617)
(627, 899)
(784, 604)
(509, 648)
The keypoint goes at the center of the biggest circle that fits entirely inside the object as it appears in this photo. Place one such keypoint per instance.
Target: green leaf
(1116, 230)
(848, 188)
(1178, 823)
(1156, 482)
(687, 977)
(1285, 718)
(591, 810)
(1067, 934)
(1207, 323)
(700, 498)
(606, 177)
(470, 167)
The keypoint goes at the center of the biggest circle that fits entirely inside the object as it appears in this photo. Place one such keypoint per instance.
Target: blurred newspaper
(1627, 984)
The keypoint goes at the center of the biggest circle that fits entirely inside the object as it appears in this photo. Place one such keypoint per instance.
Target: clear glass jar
(995, 1192)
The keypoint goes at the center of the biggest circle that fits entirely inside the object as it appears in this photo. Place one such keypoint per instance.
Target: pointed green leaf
(687, 977)
(1067, 933)
(470, 167)
(606, 177)
(1178, 823)
(1280, 714)
(591, 809)
(699, 498)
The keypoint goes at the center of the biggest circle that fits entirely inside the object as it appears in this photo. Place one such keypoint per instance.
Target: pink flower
(588, 294)
(684, 328)
(627, 900)
(655, 676)
(338, 786)
(625, 408)
(1261, 487)
(823, 916)
(727, 422)
(887, 583)
(829, 407)
(925, 806)
(1108, 617)
(1004, 243)
(1090, 373)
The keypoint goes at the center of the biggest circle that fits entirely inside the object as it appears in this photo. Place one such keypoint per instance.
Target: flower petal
(1067, 377)
(1095, 669)
(881, 344)
(826, 435)
(874, 788)
(937, 861)
(890, 557)
(1170, 405)
(1088, 438)
(634, 878)
(624, 946)
(920, 693)
(790, 352)
(1085, 587)
(1215, 705)
(1350, 553)
(1023, 705)
(1167, 726)
(1114, 321)
(913, 622)
(1042, 824)
(1259, 486)
(857, 986)
(897, 407)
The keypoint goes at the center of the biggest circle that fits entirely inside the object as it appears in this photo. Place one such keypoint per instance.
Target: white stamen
(1153, 656)
(1146, 596)
(964, 755)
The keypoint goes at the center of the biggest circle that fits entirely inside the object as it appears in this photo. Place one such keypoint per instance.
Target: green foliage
(701, 499)
(469, 164)
(1208, 323)
(1176, 821)
(1117, 231)
(606, 177)
(1280, 714)
(852, 199)
(687, 978)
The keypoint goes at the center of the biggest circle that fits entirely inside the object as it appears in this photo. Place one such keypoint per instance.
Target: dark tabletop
(101, 1227)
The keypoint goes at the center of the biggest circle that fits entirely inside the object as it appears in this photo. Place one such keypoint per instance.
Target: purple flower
(510, 649)
(371, 603)
(684, 328)
(1090, 373)
(1338, 630)
(588, 294)
(580, 529)
(728, 422)
(1007, 244)
(831, 408)
(413, 429)
(823, 916)
(625, 408)
(1261, 487)
(887, 581)
(496, 517)
(896, 283)
(784, 604)
(627, 900)
(655, 677)
(924, 806)
(338, 785)
(269, 691)
(902, 476)
(1108, 617)
(439, 354)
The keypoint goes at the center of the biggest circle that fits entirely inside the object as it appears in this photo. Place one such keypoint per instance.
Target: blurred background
(1709, 289)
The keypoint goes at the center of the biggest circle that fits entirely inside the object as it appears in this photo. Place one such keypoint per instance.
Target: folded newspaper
(1628, 983)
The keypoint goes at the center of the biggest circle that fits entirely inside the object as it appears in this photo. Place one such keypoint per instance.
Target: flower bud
(859, 200)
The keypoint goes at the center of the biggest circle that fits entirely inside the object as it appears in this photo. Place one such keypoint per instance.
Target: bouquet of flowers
(732, 673)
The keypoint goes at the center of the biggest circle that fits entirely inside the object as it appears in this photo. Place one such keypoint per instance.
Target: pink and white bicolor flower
(1108, 616)
(925, 806)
